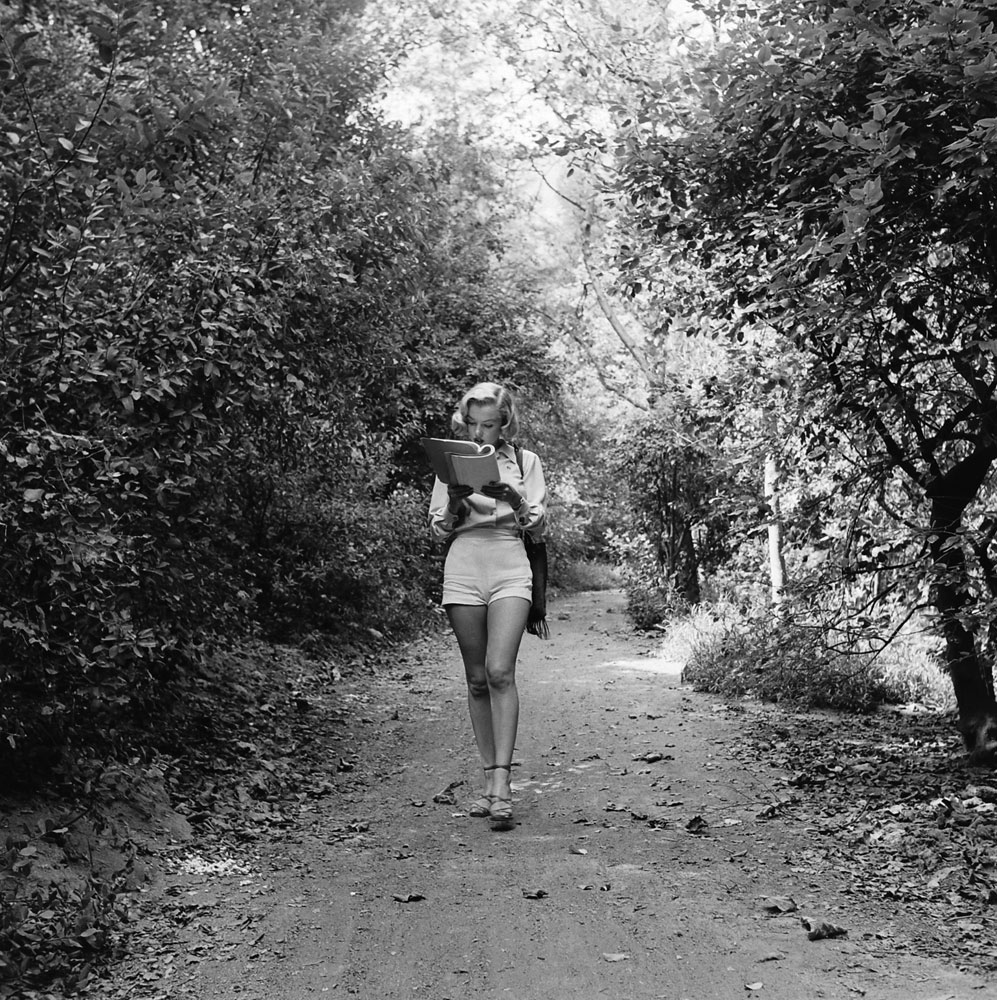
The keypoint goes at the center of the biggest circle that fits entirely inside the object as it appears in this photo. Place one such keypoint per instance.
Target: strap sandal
(500, 812)
(481, 808)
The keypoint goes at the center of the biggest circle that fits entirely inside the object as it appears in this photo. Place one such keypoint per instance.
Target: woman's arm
(532, 512)
(447, 507)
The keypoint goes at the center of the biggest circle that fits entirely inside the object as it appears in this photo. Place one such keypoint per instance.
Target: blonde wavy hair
(488, 394)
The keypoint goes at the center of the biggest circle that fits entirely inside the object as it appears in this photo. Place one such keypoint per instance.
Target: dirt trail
(604, 889)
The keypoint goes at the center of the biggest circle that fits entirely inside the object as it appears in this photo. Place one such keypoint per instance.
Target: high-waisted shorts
(483, 566)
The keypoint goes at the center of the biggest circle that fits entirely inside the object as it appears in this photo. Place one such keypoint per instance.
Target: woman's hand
(503, 491)
(458, 494)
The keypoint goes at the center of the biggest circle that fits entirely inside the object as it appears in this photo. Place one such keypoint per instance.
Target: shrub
(349, 567)
(652, 605)
(575, 575)
(779, 659)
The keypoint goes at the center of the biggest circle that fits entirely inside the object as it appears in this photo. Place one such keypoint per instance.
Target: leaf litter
(896, 812)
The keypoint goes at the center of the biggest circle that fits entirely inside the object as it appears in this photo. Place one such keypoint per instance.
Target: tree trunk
(777, 562)
(687, 574)
(972, 676)
(678, 559)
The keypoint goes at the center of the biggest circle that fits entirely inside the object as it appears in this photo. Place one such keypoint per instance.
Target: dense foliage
(233, 298)
(828, 169)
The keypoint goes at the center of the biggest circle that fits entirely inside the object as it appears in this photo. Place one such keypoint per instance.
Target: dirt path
(625, 878)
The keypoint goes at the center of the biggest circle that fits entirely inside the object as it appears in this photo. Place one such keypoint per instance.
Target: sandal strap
(501, 810)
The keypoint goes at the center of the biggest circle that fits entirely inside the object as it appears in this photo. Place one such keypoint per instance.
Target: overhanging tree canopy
(832, 170)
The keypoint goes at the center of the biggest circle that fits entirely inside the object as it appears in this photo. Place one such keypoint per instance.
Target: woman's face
(484, 423)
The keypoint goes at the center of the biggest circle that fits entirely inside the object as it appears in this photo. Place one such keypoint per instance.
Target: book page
(440, 450)
(474, 470)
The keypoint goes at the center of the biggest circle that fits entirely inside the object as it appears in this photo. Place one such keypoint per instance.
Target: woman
(487, 582)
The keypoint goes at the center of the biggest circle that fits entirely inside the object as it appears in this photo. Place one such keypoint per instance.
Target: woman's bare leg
(470, 626)
(506, 624)
(489, 640)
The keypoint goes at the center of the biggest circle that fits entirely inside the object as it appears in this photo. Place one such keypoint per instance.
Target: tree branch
(607, 309)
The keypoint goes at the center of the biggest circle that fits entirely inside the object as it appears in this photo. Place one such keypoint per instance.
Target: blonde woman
(487, 582)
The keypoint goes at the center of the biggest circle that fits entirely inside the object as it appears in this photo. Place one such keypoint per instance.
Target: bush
(779, 659)
(55, 938)
(350, 567)
(575, 575)
(652, 599)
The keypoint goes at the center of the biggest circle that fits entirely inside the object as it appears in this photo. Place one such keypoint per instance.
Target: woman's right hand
(458, 494)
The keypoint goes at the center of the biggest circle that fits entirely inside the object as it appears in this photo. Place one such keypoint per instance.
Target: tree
(829, 167)
(233, 298)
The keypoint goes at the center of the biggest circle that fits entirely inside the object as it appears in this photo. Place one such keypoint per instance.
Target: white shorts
(485, 565)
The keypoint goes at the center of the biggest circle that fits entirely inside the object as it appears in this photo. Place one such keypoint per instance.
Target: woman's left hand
(502, 491)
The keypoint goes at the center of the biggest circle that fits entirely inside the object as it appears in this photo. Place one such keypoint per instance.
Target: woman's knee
(478, 686)
(500, 677)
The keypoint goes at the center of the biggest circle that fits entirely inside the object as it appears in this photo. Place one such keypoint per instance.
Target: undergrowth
(576, 575)
(55, 937)
(649, 606)
(68, 842)
(778, 658)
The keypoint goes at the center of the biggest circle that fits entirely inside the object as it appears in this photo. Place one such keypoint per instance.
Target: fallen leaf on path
(753, 986)
(773, 809)
(615, 956)
(818, 930)
(447, 797)
(779, 904)
(409, 897)
(986, 793)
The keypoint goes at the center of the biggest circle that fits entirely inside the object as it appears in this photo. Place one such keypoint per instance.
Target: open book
(462, 462)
